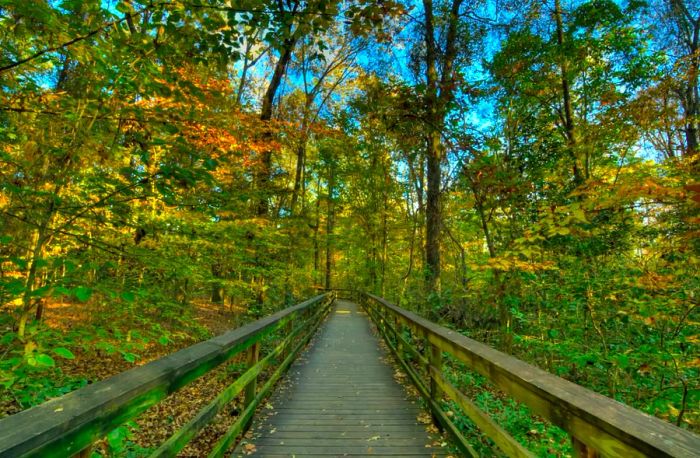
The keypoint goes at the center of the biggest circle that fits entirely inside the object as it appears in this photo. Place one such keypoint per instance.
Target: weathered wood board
(340, 399)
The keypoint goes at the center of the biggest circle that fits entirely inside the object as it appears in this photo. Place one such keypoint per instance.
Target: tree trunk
(299, 175)
(217, 289)
(433, 214)
(317, 226)
(241, 83)
(504, 315)
(262, 178)
(440, 92)
(244, 74)
(688, 28)
(566, 94)
(691, 106)
(41, 239)
(385, 233)
(329, 225)
(27, 303)
(433, 156)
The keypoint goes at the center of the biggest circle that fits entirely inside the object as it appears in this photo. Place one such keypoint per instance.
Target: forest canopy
(525, 172)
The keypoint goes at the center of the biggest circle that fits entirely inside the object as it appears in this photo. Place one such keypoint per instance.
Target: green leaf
(579, 215)
(129, 357)
(41, 292)
(59, 291)
(64, 353)
(171, 129)
(116, 438)
(210, 163)
(83, 293)
(42, 359)
(622, 361)
(128, 296)
(7, 338)
(69, 265)
(21, 263)
(14, 286)
(106, 347)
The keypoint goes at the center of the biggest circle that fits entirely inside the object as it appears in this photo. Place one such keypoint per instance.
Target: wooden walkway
(340, 399)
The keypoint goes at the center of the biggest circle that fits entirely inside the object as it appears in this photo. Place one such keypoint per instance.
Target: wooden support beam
(435, 361)
(581, 450)
(251, 388)
(84, 453)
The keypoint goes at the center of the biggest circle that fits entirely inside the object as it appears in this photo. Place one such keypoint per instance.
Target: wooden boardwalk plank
(340, 399)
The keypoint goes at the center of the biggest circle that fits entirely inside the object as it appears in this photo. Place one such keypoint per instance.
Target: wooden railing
(70, 424)
(598, 426)
(340, 293)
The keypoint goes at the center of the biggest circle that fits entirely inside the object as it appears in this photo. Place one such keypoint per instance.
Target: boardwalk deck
(340, 399)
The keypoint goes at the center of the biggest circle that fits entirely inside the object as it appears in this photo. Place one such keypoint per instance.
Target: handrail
(71, 423)
(341, 293)
(598, 426)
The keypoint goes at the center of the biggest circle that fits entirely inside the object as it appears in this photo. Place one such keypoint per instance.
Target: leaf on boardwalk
(249, 449)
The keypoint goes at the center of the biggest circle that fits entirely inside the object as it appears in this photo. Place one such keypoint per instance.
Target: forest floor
(155, 425)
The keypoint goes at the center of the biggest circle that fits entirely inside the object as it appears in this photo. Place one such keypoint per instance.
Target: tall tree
(567, 115)
(440, 77)
(684, 21)
(287, 35)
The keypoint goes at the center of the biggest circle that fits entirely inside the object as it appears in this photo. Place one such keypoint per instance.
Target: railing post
(251, 388)
(581, 450)
(383, 317)
(399, 333)
(435, 359)
(84, 453)
(426, 353)
(411, 341)
(288, 328)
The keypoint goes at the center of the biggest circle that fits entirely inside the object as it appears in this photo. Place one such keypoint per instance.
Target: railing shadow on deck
(598, 426)
(68, 425)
